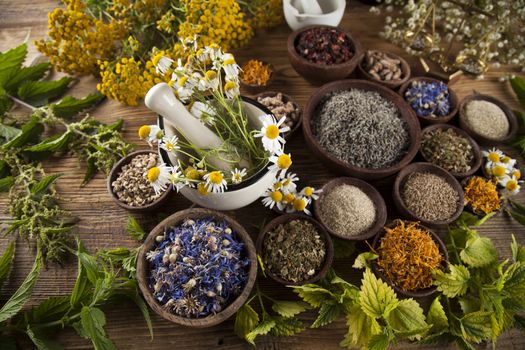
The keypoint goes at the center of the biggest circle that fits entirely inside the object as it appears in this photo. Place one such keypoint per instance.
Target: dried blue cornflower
(197, 268)
(428, 99)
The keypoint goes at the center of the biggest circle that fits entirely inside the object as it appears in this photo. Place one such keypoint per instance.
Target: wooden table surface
(102, 222)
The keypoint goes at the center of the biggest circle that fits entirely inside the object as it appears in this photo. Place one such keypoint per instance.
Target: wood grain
(102, 222)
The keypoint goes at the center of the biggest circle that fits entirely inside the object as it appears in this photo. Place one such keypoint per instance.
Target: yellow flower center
(493, 157)
(272, 132)
(505, 159)
(512, 185)
(169, 146)
(237, 177)
(276, 196)
(144, 131)
(192, 173)
(517, 174)
(216, 177)
(229, 86)
(284, 161)
(183, 81)
(299, 204)
(153, 174)
(277, 185)
(202, 188)
(289, 198)
(228, 61)
(210, 75)
(499, 170)
(308, 191)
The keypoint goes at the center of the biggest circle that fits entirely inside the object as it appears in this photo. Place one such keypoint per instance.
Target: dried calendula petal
(482, 195)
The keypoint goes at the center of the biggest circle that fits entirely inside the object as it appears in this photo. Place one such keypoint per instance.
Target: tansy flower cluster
(503, 170)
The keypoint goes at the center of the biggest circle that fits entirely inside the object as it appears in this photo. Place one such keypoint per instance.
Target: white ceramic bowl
(333, 11)
(237, 196)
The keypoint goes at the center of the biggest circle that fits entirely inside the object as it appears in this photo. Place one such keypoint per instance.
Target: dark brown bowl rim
(114, 173)
(286, 98)
(434, 169)
(356, 45)
(413, 294)
(475, 148)
(511, 117)
(255, 86)
(282, 219)
(370, 191)
(405, 112)
(453, 98)
(392, 84)
(173, 220)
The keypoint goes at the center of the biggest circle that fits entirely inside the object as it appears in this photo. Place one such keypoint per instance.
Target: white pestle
(311, 7)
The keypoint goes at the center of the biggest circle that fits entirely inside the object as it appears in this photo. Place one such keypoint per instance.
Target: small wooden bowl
(369, 190)
(143, 267)
(115, 172)
(428, 168)
(391, 84)
(322, 73)
(411, 294)
(482, 140)
(475, 148)
(283, 219)
(286, 99)
(338, 165)
(254, 88)
(453, 97)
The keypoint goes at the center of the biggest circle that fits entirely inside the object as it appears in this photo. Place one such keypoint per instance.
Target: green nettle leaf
(261, 265)
(30, 134)
(246, 319)
(38, 93)
(43, 185)
(134, 229)
(31, 73)
(476, 326)
(363, 260)
(53, 144)
(289, 308)
(8, 132)
(93, 321)
(479, 252)
(70, 106)
(518, 251)
(41, 341)
(313, 294)
(453, 283)
(361, 328)
(379, 342)
(285, 327)
(377, 299)
(90, 266)
(518, 85)
(5, 103)
(262, 328)
(91, 169)
(80, 291)
(51, 309)
(408, 318)
(6, 263)
(23, 293)
(10, 62)
(328, 313)
(437, 317)
(6, 183)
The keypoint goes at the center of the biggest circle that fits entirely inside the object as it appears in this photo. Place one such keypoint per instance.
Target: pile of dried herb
(408, 255)
(487, 119)
(481, 195)
(447, 149)
(294, 251)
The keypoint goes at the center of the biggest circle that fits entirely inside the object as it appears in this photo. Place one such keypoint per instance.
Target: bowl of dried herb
(295, 249)
(385, 68)
(197, 267)
(450, 148)
(481, 195)
(256, 76)
(427, 193)
(408, 255)
(282, 105)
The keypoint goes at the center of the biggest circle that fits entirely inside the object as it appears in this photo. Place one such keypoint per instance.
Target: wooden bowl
(370, 191)
(475, 148)
(391, 84)
(115, 172)
(322, 73)
(338, 165)
(482, 140)
(143, 268)
(286, 99)
(453, 97)
(428, 168)
(254, 88)
(283, 219)
(411, 294)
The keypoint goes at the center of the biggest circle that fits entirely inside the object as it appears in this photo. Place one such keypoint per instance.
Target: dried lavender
(198, 268)
(361, 128)
(428, 99)
(447, 149)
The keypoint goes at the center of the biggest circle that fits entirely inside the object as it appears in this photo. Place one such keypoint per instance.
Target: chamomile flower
(231, 68)
(177, 179)
(150, 133)
(271, 133)
(281, 163)
(508, 161)
(169, 144)
(238, 175)
(213, 51)
(231, 89)
(163, 65)
(493, 156)
(210, 81)
(203, 111)
(203, 189)
(515, 173)
(310, 193)
(215, 181)
(288, 182)
(159, 177)
(299, 205)
(289, 198)
(184, 88)
(510, 183)
(273, 198)
(498, 170)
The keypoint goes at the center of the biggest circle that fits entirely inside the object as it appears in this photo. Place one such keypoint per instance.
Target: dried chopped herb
(255, 72)
(428, 99)
(324, 46)
(481, 195)
(447, 149)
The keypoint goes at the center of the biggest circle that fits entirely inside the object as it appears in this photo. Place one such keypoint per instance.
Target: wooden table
(102, 222)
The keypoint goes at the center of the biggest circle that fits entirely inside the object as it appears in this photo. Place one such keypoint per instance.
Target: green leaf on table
(134, 229)
(31, 131)
(521, 118)
(49, 310)
(93, 321)
(17, 301)
(6, 183)
(43, 185)
(38, 93)
(312, 294)
(6, 263)
(70, 106)
(261, 265)
(289, 308)
(408, 318)
(285, 327)
(518, 251)
(90, 171)
(262, 328)
(518, 85)
(379, 342)
(80, 290)
(328, 313)
(479, 252)
(7, 343)
(363, 260)
(437, 317)
(520, 218)
(134, 296)
(5, 103)
(41, 341)
(476, 326)
(116, 126)
(31, 73)
(453, 283)
(55, 143)
(11, 61)
(469, 219)
(90, 266)
(7, 133)
(246, 319)
(343, 248)
(361, 328)
(377, 298)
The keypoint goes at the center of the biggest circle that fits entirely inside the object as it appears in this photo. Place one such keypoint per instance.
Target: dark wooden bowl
(391, 84)
(283, 219)
(286, 98)
(339, 166)
(370, 191)
(322, 73)
(142, 268)
(115, 172)
(453, 97)
(411, 294)
(429, 168)
(254, 88)
(475, 148)
(482, 140)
